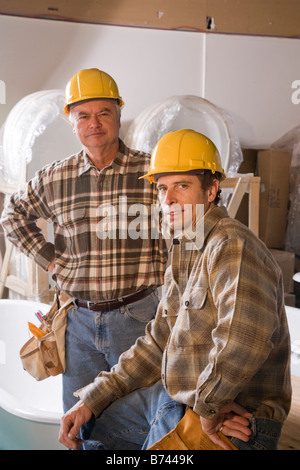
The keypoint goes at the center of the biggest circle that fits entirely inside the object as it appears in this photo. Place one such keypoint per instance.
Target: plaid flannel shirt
(95, 257)
(220, 333)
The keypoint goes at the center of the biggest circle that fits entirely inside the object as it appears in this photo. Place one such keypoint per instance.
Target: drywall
(148, 65)
(252, 77)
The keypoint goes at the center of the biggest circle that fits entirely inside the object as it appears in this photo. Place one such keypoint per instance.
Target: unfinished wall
(250, 77)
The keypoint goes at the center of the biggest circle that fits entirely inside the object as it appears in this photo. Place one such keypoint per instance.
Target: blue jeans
(265, 435)
(95, 340)
(145, 416)
(136, 421)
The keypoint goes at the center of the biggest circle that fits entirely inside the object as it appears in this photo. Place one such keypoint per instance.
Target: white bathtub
(293, 316)
(30, 411)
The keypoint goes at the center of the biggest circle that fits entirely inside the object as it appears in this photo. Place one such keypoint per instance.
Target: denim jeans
(95, 340)
(136, 421)
(145, 416)
(265, 435)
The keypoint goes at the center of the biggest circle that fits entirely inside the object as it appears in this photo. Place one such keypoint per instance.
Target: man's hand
(231, 421)
(71, 423)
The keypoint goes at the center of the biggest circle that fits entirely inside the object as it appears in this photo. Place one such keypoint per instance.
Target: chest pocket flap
(195, 298)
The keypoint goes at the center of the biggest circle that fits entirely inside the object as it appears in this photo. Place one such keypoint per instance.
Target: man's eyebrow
(101, 110)
(176, 182)
(183, 181)
(104, 109)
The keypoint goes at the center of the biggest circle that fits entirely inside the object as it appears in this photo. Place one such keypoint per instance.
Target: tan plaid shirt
(220, 334)
(91, 263)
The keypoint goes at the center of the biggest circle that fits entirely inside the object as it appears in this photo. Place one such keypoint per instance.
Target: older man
(112, 277)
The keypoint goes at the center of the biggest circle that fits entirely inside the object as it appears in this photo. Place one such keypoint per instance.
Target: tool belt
(45, 356)
(189, 435)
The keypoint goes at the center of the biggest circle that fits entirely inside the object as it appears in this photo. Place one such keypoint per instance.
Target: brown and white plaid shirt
(220, 333)
(97, 259)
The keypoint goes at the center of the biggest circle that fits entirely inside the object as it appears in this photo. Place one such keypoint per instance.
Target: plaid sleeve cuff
(45, 255)
(95, 399)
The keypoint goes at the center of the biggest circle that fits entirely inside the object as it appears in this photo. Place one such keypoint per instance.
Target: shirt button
(165, 312)
(187, 303)
(212, 412)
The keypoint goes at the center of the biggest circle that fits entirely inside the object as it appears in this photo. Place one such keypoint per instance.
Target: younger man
(219, 344)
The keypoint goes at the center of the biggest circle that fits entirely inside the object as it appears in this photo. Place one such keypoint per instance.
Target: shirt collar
(197, 240)
(118, 164)
(84, 163)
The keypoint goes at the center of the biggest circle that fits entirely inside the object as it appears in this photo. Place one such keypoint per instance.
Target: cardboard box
(273, 167)
(286, 262)
(249, 162)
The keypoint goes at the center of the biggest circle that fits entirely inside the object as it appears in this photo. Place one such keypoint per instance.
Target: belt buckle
(89, 304)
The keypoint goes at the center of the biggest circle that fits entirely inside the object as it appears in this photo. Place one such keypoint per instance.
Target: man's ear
(213, 190)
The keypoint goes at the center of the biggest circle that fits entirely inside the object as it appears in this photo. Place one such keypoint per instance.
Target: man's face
(179, 195)
(96, 123)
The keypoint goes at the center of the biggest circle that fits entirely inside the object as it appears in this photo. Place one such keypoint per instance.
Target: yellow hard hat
(182, 151)
(89, 84)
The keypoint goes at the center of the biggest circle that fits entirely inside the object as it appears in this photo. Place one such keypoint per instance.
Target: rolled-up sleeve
(19, 221)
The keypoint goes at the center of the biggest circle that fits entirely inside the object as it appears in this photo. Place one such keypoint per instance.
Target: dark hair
(206, 181)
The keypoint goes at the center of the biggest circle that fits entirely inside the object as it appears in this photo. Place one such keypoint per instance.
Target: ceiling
(255, 17)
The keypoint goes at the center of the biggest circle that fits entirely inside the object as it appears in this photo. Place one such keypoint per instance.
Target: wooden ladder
(37, 284)
(241, 185)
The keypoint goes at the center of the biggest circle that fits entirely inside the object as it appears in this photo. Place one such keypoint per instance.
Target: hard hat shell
(88, 84)
(184, 150)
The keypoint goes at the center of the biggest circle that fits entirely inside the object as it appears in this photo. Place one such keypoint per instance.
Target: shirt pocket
(195, 322)
(75, 228)
(194, 299)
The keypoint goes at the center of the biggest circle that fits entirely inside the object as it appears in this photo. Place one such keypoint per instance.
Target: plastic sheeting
(291, 142)
(27, 120)
(182, 112)
(34, 113)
